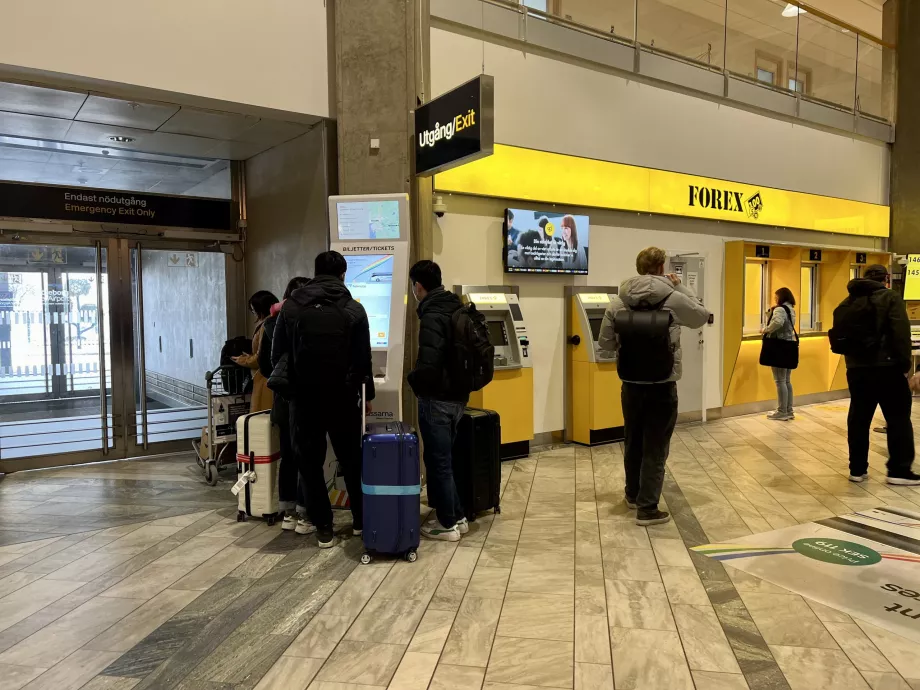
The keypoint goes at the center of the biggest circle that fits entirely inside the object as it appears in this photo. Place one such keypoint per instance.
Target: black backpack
(645, 354)
(472, 363)
(320, 336)
(234, 378)
(856, 328)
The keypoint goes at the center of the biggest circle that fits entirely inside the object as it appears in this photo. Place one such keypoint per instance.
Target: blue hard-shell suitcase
(391, 481)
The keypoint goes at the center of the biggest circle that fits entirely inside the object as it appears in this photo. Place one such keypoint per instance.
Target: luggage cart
(228, 400)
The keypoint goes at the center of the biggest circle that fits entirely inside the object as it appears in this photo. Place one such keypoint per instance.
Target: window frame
(764, 295)
(815, 300)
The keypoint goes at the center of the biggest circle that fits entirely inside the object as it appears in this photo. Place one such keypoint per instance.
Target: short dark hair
(426, 272)
(295, 284)
(784, 296)
(330, 263)
(261, 303)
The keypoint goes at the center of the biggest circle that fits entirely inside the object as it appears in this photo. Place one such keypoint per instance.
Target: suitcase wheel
(210, 474)
(240, 516)
(366, 558)
(270, 519)
(411, 556)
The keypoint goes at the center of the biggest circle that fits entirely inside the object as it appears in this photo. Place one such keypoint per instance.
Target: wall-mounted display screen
(369, 278)
(545, 242)
(497, 335)
(368, 220)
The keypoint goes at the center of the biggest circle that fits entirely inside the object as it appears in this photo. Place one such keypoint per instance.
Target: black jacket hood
(439, 301)
(321, 287)
(861, 287)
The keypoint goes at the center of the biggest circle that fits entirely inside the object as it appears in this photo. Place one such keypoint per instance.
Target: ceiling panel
(82, 161)
(16, 153)
(273, 132)
(209, 123)
(21, 171)
(236, 150)
(37, 126)
(37, 100)
(115, 111)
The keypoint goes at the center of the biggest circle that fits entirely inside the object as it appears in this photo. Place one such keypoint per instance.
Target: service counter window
(854, 272)
(755, 300)
(808, 305)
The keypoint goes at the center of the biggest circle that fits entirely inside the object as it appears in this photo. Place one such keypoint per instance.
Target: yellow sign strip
(530, 175)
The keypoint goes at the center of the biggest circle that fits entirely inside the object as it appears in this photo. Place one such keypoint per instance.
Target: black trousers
(311, 421)
(650, 413)
(887, 387)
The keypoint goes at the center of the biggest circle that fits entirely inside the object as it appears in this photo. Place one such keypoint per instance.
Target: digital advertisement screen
(545, 242)
(369, 279)
(368, 220)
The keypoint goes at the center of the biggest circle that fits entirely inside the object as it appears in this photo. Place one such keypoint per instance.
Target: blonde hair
(650, 260)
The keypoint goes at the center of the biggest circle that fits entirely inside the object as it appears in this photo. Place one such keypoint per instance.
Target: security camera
(439, 207)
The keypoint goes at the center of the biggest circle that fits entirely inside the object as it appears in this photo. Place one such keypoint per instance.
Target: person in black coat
(440, 406)
(326, 336)
(291, 496)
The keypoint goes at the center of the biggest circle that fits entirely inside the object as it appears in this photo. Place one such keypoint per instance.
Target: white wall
(270, 53)
(552, 105)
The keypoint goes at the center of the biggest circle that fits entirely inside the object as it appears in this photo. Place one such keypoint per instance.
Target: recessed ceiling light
(122, 140)
(793, 10)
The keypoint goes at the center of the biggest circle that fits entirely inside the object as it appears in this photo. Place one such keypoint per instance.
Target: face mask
(414, 293)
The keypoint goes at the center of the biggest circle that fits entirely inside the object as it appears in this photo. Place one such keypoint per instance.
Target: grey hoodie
(683, 304)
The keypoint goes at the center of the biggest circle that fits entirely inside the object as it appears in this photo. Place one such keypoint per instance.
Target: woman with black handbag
(780, 352)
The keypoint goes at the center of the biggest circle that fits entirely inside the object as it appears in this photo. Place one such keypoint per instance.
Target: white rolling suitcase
(257, 462)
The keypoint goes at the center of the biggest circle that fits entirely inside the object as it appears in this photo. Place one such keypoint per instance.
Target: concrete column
(902, 26)
(381, 69)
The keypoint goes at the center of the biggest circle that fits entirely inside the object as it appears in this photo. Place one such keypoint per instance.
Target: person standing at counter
(781, 326)
(642, 325)
(872, 330)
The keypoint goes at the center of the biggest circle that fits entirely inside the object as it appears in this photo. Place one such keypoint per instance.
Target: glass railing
(789, 47)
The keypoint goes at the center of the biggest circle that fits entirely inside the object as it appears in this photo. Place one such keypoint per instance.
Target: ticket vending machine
(594, 414)
(511, 391)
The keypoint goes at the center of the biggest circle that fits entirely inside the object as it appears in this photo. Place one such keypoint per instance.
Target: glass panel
(535, 4)
(876, 77)
(827, 61)
(616, 17)
(754, 308)
(761, 39)
(50, 350)
(854, 272)
(808, 304)
(692, 29)
(184, 328)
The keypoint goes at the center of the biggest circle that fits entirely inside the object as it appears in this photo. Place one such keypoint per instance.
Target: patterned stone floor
(137, 575)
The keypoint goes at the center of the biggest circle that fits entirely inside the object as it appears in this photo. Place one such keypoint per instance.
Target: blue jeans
(783, 379)
(437, 421)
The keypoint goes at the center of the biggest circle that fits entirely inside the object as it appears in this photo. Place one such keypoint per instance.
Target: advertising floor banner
(866, 564)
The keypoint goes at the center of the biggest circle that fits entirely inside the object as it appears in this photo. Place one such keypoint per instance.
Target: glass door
(54, 361)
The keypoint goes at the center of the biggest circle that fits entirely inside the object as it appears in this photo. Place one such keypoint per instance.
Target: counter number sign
(912, 278)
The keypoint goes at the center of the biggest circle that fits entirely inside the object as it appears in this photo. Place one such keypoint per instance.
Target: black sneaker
(630, 502)
(325, 537)
(653, 517)
(906, 479)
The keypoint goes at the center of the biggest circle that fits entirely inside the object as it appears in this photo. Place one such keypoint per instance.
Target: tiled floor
(137, 575)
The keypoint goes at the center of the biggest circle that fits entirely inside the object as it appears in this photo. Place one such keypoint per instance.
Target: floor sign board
(866, 564)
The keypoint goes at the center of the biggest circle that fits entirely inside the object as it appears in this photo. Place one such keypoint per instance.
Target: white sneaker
(858, 479)
(289, 522)
(463, 525)
(434, 530)
(304, 527)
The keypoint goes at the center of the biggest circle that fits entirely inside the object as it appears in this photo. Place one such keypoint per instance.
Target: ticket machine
(594, 414)
(511, 391)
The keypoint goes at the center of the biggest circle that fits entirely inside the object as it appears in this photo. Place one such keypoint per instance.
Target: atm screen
(596, 323)
(497, 335)
(369, 278)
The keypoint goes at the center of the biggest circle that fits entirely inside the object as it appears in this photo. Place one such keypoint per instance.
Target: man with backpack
(325, 334)
(642, 326)
(872, 330)
(454, 358)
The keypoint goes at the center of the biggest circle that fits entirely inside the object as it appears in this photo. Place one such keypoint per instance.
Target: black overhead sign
(455, 128)
(104, 206)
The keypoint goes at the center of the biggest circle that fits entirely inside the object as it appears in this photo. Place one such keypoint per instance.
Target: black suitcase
(477, 461)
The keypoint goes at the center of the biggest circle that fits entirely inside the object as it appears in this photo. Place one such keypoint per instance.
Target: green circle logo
(836, 551)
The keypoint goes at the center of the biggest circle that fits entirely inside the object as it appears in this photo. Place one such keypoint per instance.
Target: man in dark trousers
(326, 336)
(873, 319)
(440, 405)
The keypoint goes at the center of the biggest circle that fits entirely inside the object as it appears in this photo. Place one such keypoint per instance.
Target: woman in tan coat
(260, 304)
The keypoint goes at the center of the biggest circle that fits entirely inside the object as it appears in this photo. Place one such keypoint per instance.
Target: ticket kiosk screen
(368, 220)
(596, 323)
(497, 335)
(369, 278)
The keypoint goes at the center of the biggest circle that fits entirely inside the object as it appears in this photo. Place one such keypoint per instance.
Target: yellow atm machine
(594, 414)
(511, 391)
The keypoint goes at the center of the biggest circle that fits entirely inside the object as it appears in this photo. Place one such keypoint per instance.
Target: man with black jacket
(326, 336)
(877, 373)
(440, 406)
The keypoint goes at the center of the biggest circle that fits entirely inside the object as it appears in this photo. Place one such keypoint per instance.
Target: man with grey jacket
(649, 401)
